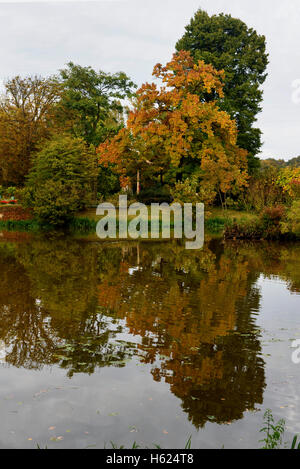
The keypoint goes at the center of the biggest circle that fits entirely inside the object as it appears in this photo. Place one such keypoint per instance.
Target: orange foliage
(180, 120)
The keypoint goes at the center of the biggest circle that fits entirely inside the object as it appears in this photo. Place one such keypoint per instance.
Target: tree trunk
(138, 185)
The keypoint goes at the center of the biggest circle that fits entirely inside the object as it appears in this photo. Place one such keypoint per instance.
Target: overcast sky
(40, 36)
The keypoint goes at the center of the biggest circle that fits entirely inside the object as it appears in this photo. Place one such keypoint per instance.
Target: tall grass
(20, 225)
(82, 225)
(88, 225)
(215, 224)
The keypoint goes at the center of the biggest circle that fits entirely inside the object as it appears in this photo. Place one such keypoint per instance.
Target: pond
(146, 342)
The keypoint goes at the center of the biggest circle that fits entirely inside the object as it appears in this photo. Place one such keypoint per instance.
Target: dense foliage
(189, 136)
(230, 45)
(91, 102)
(175, 129)
(26, 119)
(59, 183)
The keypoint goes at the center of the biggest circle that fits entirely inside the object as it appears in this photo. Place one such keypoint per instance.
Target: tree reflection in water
(191, 315)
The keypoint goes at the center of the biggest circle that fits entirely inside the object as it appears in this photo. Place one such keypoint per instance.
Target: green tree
(91, 101)
(60, 182)
(228, 44)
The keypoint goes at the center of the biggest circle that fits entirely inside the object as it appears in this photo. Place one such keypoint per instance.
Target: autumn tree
(264, 190)
(178, 126)
(26, 118)
(289, 180)
(185, 309)
(229, 44)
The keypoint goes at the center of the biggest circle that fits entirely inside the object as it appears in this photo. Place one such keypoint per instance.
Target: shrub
(272, 216)
(10, 191)
(292, 222)
(271, 219)
(263, 191)
(60, 182)
(190, 191)
(244, 229)
(267, 226)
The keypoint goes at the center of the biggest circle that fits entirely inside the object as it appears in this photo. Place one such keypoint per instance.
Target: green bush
(292, 222)
(60, 182)
(191, 191)
(10, 191)
(7, 192)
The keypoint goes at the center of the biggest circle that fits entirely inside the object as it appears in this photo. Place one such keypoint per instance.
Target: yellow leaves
(181, 73)
(224, 166)
(124, 181)
(289, 180)
(176, 121)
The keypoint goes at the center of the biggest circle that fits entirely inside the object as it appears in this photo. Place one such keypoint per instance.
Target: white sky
(133, 35)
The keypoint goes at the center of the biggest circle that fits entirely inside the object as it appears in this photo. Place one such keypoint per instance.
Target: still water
(146, 342)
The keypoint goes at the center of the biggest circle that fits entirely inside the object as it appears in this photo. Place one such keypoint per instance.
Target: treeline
(85, 135)
(292, 163)
(49, 131)
(79, 102)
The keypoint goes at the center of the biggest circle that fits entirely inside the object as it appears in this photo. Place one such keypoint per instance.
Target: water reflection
(190, 315)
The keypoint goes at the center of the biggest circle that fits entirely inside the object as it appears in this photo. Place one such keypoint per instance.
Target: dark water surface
(146, 342)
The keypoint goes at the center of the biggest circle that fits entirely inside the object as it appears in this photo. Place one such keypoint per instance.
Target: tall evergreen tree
(227, 43)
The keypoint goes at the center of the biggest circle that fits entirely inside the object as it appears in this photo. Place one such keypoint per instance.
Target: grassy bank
(216, 220)
(231, 224)
(20, 225)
